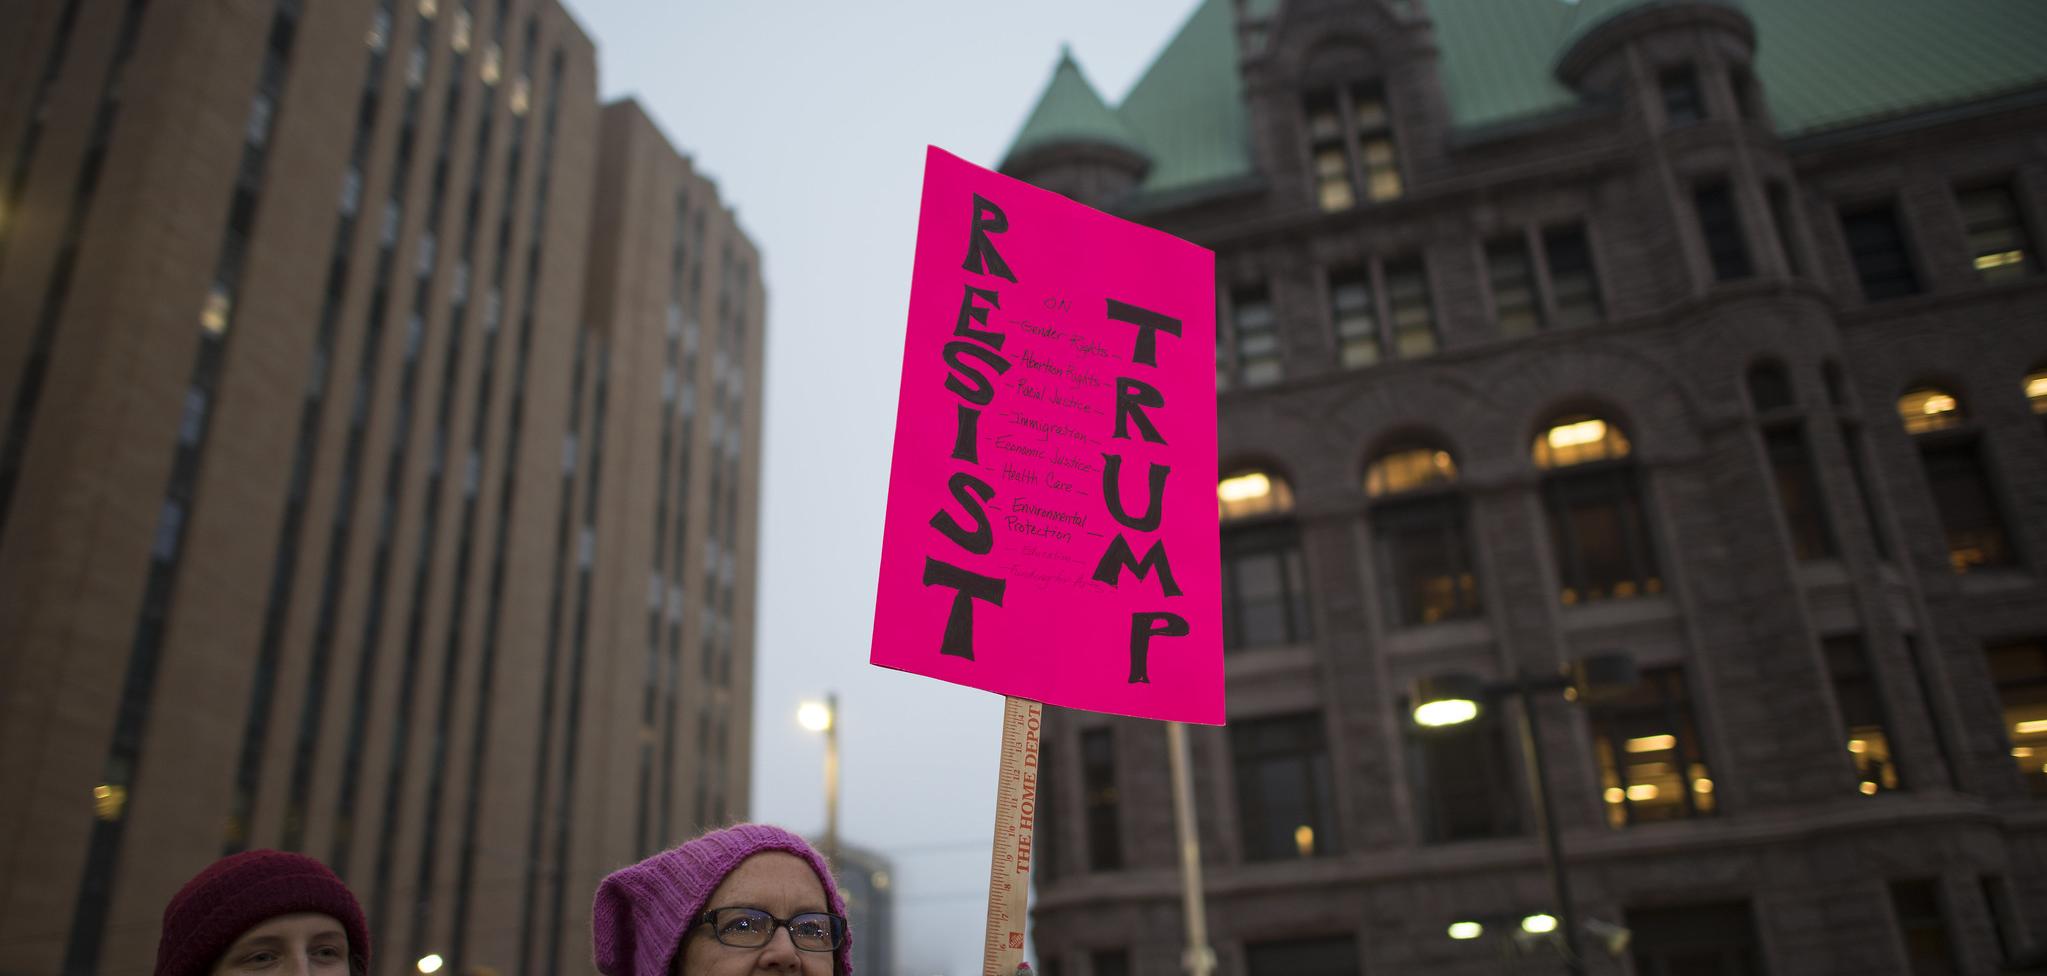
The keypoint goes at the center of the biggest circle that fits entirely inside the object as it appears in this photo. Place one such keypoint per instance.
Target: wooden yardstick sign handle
(1016, 808)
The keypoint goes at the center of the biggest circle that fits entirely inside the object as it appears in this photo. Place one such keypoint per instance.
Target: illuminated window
(1257, 336)
(1596, 520)
(1998, 247)
(1652, 764)
(1098, 783)
(2036, 390)
(1859, 695)
(1286, 805)
(1464, 786)
(1423, 547)
(2019, 669)
(1962, 490)
(1928, 409)
(1876, 246)
(1350, 147)
(1578, 440)
(1265, 584)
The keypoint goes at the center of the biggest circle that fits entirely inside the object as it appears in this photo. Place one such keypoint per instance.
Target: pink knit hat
(642, 912)
(238, 893)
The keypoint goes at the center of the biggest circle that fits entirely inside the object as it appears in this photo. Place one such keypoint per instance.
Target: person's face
(776, 882)
(300, 944)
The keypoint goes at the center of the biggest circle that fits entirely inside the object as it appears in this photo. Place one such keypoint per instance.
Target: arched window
(1265, 580)
(1929, 408)
(1792, 471)
(1962, 490)
(1594, 502)
(1423, 547)
(1769, 387)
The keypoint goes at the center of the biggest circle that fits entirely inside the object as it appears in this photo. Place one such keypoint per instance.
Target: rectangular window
(1355, 316)
(1876, 246)
(1257, 335)
(1968, 507)
(1351, 148)
(1333, 189)
(1572, 280)
(1376, 155)
(1517, 304)
(1265, 586)
(1098, 783)
(1045, 840)
(1333, 956)
(1600, 535)
(2020, 670)
(1464, 787)
(1720, 227)
(1923, 926)
(1716, 939)
(1425, 560)
(1682, 101)
(1109, 962)
(1285, 803)
(1408, 305)
(1998, 246)
(1851, 444)
(1787, 235)
(1798, 492)
(1859, 694)
(1652, 762)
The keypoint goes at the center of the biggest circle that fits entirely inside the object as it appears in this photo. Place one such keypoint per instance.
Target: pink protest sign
(1052, 525)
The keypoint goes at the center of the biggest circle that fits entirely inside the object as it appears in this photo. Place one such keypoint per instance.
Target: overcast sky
(813, 117)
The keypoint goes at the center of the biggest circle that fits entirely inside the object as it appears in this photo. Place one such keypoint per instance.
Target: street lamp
(824, 717)
(1452, 699)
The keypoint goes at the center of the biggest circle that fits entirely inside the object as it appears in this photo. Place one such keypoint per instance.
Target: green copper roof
(1189, 105)
(1071, 111)
(1822, 64)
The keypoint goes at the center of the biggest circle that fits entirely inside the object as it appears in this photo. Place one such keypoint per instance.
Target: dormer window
(1350, 147)
(1682, 101)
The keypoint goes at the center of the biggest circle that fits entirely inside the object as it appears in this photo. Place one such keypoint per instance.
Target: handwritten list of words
(1051, 530)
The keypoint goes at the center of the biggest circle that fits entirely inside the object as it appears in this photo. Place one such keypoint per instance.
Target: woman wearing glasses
(740, 901)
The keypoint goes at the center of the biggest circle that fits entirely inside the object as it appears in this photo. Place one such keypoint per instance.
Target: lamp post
(824, 717)
(1453, 699)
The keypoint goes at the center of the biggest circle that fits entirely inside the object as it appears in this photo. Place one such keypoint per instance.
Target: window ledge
(1265, 659)
(1608, 612)
(1444, 635)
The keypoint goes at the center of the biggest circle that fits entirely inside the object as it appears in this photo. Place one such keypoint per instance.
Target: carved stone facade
(1730, 268)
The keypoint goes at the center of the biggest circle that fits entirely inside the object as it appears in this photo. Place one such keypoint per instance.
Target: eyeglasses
(751, 928)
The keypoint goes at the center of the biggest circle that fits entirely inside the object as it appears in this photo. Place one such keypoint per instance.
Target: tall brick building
(378, 475)
(1714, 333)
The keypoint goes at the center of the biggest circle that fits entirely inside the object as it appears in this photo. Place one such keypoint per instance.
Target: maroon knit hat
(238, 893)
(642, 912)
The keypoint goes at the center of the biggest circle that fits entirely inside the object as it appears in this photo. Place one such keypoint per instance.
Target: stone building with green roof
(1711, 332)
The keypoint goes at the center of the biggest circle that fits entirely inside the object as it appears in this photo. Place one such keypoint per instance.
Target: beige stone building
(377, 478)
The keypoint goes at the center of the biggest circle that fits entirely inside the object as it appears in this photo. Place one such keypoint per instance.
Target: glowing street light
(1463, 931)
(823, 717)
(431, 963)
(1539, 924)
